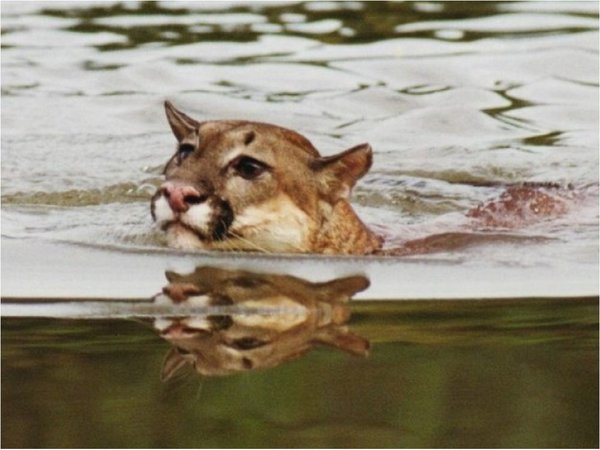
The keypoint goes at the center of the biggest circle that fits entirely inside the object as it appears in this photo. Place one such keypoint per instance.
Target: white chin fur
(183, 238)
(198, 217)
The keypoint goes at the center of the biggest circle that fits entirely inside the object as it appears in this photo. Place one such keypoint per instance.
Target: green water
(440, 374)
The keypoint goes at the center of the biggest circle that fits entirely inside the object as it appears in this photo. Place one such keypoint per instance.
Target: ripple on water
(119, 193)
(451, 96)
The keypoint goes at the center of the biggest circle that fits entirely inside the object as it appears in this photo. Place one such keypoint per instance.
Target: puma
(254, 321)
(239, 185)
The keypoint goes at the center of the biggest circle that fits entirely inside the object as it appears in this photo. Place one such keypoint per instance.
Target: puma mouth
(219, 233)
(178, 330)
(177, 224)
(178, 227)
(184, 237)
(208, 222)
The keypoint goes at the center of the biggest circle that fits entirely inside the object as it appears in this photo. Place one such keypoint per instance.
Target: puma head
(239, 185)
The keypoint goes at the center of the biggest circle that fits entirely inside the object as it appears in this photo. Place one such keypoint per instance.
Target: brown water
(453, 97)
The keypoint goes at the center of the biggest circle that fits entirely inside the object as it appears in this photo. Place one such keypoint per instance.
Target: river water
(456, 99)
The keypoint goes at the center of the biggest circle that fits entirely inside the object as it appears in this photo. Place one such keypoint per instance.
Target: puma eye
(249, 168)
(248, 343)
(184, 151)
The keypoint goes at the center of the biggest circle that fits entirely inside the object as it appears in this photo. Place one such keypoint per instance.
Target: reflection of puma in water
(255, 321)
(239, 185)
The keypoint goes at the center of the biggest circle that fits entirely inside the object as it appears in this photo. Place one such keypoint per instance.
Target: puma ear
(342, 338)
(171, 365)
(181, 124)
(339, 173)
(172, 277)
(341, 290)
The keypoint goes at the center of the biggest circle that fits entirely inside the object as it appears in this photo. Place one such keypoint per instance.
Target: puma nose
(181, 197)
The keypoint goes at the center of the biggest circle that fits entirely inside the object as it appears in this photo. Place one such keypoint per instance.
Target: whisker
(246, 241)
(296, 247)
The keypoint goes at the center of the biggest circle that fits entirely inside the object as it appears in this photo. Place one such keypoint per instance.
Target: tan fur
(347, 231)
(300, 203)
(296, 315)
(276, 225)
